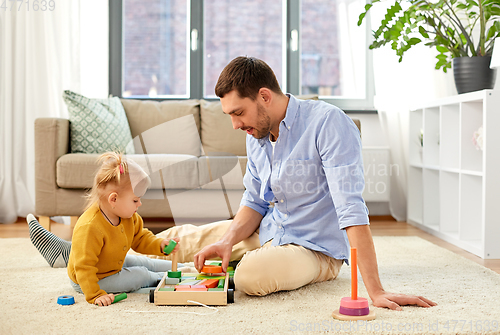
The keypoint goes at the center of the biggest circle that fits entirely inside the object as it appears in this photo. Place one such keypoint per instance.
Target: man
(303, 182)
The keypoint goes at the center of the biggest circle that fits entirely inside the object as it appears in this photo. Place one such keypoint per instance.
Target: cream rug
(467, 294)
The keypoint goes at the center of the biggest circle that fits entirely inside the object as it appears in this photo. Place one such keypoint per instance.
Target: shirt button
(122, 229)
(288, 127)
(282, 200)
(120, 262)
(124, 248)
(286, 215)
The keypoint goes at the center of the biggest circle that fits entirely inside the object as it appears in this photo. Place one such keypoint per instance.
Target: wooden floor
(380, 226)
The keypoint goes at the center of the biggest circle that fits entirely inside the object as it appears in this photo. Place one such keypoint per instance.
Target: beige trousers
(262, 270)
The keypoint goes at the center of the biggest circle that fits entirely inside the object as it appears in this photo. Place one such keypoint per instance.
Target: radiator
(378, 171)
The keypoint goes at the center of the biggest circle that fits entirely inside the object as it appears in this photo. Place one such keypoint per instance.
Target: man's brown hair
(246, 75)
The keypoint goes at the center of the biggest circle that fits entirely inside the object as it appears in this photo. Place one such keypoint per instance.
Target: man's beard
(263, 123)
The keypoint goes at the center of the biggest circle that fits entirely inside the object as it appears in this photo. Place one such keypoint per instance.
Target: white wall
(94, 48)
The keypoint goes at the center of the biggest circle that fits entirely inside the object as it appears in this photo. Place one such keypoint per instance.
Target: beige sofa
(195, 159)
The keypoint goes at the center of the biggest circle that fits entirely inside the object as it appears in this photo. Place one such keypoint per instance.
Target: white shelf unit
(453, 188)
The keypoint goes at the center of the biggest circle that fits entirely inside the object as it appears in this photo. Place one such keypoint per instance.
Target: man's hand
(105, 300)
(219, 249)
(360, 237)
(244, 224)
(395, 301)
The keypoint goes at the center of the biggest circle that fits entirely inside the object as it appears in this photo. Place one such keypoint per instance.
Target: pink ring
(347, 302)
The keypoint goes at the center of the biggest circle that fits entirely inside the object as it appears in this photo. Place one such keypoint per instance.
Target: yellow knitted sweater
(98, 248)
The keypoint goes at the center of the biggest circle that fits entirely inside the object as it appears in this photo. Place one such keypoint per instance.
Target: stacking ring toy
(354, 308)
(66, 300)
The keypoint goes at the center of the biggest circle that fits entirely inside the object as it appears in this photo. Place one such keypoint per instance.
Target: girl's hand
(105, 300)
(165, 242)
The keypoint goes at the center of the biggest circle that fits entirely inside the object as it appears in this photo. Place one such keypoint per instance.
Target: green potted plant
(463, 32)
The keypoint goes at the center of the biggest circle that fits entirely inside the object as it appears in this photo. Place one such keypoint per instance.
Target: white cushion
(169, 171)
(177, 136)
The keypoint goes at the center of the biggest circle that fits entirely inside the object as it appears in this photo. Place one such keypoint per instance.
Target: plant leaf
(441, 49)
(361, 17)
(423, 32)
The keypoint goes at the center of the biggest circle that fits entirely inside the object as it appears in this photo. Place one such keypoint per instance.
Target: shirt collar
(291, 111)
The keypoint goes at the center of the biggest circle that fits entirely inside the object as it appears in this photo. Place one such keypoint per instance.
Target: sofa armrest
(357, 122)
(51, 142)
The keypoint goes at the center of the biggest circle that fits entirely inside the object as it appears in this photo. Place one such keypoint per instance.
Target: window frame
(291, 61)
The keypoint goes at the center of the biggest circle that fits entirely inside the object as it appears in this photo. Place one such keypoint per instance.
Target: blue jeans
(137, 272)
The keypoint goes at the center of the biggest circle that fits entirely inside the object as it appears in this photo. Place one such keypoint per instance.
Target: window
(244, 27)
(155, 62)
(332, 56)
(176, 49)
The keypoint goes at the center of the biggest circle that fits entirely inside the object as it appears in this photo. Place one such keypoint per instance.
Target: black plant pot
(473, 74)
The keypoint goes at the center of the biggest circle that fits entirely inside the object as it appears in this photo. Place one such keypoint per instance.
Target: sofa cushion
(217, 133)
(230, 168)
(97, 125)
(176, 137)
(165, 171)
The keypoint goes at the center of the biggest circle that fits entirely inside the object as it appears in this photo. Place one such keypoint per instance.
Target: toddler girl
(98, 264)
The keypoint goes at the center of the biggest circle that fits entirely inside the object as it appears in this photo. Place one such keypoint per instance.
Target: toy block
(190, 282)
(198, 286)
(216, 289)
(172, 281)
(170, 247)
(166, 289)
(120, 297)
(174, 274)
(198, 289)
(211, 269)
(182, 287)
(221, 283)
(210, 283)
(203, 276)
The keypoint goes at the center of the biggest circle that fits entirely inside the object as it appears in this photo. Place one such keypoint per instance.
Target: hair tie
(121, 169)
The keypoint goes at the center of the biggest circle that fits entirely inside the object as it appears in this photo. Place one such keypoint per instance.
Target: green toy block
(209, 277)
(120, 297)
(216, 289)
(174, 274)
(221, 283)
(170, 247)
(166, 289)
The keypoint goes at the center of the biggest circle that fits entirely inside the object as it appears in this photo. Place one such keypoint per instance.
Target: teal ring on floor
(66, 300)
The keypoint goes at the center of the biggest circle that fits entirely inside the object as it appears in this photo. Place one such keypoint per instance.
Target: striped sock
(54, 249)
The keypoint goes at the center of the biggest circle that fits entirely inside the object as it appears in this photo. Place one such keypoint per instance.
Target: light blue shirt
(310, 190)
